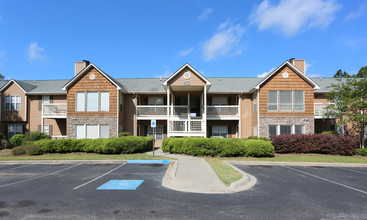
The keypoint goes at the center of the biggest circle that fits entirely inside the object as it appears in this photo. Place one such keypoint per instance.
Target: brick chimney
(79, 66)
(299, 64)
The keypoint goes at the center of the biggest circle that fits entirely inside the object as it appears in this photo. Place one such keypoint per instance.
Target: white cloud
(184, 53)
(165, 74)
(205, 14)
(35, 52)
(266, 73)
(290, 16)
(225, 42)
(355, 14)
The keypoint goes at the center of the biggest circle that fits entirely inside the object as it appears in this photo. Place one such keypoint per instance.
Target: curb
(276, 163)
(245, 183)
(170, 173)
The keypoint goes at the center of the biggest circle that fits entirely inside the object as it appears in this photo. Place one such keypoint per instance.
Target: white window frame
(86, 101)
(293, 129)
(285, 104)
(294, 100)
(82, 105)
(159, 132)
(221, 132)
(273, 103)
(46, 129)
(104, 108)
(45, 99)
(13, 100)
(85, 130)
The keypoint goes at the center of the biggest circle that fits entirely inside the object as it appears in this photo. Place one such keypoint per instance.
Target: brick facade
(80, 120)
(308, 122)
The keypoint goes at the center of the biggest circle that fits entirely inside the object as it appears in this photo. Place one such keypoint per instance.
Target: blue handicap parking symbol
(121, 185)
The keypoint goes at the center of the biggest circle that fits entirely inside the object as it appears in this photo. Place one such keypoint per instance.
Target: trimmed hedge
(120, 145)
(224, 147)
(31, 149)
(314, 143)
(37, 135)
(361, 151)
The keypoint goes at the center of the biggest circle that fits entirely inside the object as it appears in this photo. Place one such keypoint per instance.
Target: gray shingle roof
(154, 85)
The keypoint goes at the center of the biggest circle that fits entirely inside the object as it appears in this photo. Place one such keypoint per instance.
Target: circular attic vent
(187, 75)
(92, 76)
(285, 75)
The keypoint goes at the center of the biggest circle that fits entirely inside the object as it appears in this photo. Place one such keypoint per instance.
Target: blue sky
(134, 39)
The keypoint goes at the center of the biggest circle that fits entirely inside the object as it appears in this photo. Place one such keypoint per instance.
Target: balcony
(54, 110)
(222, 112)
(190, 128)
(320, 110)
(151, 111)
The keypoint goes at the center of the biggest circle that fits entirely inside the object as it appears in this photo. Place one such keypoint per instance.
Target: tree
(2, 77)
(362, 73)
(350, 98)
(341, 74)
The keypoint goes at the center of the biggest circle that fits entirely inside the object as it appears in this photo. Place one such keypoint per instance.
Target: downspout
(240, 121)
(258, 112)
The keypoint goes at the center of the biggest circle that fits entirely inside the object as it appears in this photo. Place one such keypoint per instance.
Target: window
(105, 101)
(286, 129)
(80, 101)
(299, 101)
(273, 130)
(92, 102)
(92, 131)
(158, 132)
(219, 100)
(121, 102)
(12, 102)
(285, 101)
(288, 101)
(272, 100)
(220, 131)
(46, 129)
(80, 131)
(105, 131)
(155, 100)
(254, 98)
(14, 129)
(46, 99)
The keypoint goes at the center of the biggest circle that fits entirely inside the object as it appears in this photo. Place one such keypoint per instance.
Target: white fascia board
(207, 82)
(10, 81)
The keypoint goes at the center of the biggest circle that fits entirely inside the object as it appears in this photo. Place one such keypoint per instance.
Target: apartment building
(93, 104)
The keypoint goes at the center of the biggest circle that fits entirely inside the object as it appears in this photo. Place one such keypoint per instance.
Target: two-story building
(93, 104)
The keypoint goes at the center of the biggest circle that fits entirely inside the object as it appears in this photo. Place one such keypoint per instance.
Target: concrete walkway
(193, 174)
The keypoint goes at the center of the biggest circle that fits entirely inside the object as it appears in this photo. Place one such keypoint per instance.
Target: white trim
(192, 69)
(25, 106)
(297, 71)
(82, 73)
(258, 113)
(240, 117)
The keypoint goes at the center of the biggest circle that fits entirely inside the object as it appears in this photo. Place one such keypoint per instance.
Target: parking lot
(70, 192)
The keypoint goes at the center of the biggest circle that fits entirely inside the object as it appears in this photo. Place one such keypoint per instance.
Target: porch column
(204, 113)
(168, 109)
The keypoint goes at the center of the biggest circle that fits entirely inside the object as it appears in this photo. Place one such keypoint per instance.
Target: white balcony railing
(223, 110)
(320, 110)
(54, 110)
(187, 127)
(151, 110)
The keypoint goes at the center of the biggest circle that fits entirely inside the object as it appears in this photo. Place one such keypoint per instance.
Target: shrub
(17, 140)
(37, 135)
(257, 138)
(314, 143)
(120, 145)
(123, 134)
(361, 151)
(2, 136)
(224, 147)
(18, 150)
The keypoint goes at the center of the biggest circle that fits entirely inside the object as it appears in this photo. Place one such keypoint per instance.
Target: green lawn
(225, 173)
(6, 155)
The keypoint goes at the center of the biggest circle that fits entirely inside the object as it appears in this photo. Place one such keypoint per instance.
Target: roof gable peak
(207, 82)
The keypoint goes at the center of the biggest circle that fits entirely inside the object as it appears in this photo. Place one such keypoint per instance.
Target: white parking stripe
(36, 177)
(98, 177)
(330, 181)
(352, 170)
(16, 167)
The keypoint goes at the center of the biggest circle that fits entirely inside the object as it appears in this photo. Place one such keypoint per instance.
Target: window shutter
(40, 103)
(51, 99)
(39, 128)
(23, 129)
(50, 129)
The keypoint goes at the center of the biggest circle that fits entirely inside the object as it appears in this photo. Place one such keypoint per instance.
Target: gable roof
(12, 81)
(81, 73)
(295, 69)
(207, 82)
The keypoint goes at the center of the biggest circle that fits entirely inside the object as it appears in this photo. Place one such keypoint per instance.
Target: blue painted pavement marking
(149, 161)
(121, 185)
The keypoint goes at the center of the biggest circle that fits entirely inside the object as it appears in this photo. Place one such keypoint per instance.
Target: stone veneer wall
(309, 123)
(72, 121)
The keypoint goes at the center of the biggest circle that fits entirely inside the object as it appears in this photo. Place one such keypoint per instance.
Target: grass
(225, 173)
(6, 155)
